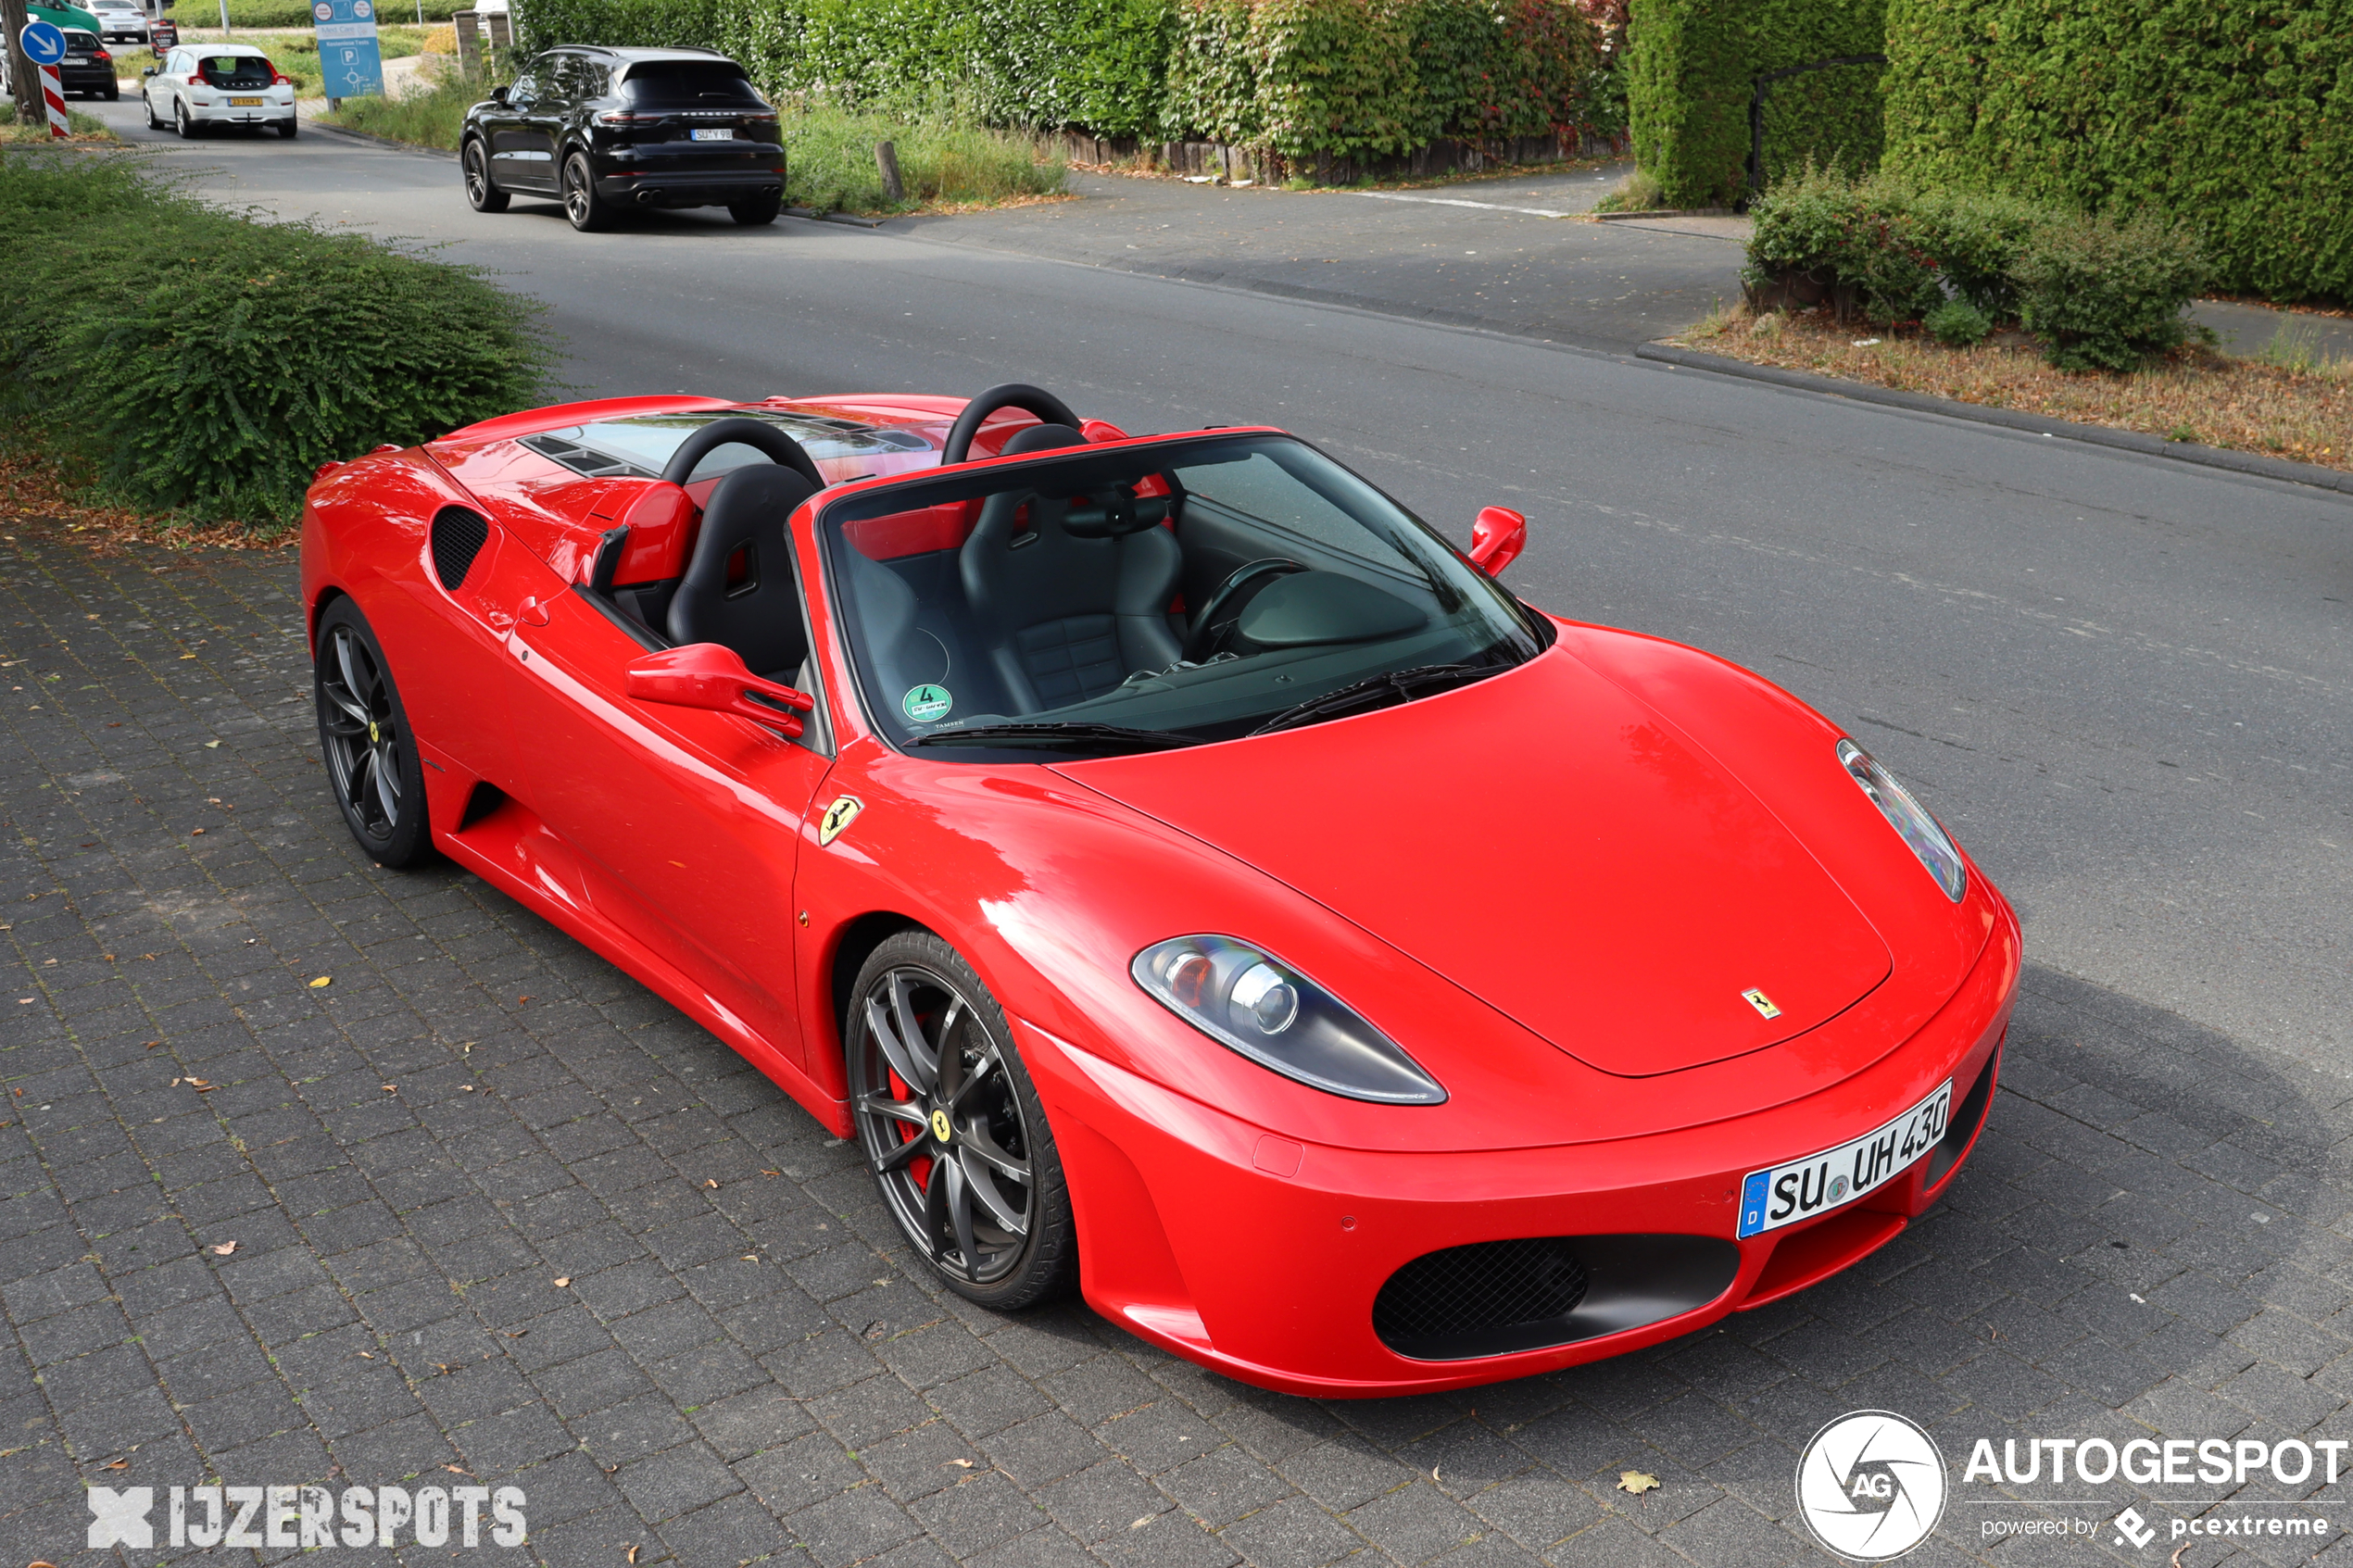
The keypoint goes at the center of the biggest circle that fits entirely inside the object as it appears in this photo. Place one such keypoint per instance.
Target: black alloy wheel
(481, 194)
(588, 211)
(952, 1127)
(372, 764)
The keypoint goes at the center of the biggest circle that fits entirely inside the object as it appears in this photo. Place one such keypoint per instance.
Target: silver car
(120, 21)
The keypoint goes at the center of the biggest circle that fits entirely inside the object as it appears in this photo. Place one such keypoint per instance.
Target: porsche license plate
(722, 135)
(244, 103)
(1801, 1189)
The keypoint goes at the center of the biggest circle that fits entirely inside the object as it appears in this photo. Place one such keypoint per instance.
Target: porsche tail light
(621, 117)
(1259, 1006)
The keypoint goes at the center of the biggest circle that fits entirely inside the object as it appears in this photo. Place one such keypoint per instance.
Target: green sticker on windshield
(925, 704)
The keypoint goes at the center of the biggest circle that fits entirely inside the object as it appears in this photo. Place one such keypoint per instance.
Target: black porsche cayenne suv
(610, 129)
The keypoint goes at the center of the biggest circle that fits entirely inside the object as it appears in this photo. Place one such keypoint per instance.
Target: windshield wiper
(1378, 691)
(1066, 734)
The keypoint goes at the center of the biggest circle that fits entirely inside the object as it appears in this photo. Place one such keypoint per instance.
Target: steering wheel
(1011, 394)
(781, 449)
(1202, 635)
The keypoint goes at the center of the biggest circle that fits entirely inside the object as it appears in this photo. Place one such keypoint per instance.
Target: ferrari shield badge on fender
(838, 815)
(1762, 1003)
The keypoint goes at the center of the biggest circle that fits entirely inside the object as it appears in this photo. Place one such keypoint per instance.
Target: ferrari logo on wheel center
(939, 1128)
(372, 735)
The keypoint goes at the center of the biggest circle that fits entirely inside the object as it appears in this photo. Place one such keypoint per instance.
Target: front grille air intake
(1462, 1291)
(458, 537)
(1496, 1298)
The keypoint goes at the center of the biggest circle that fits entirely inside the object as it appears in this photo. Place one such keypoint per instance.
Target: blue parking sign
(350, 64)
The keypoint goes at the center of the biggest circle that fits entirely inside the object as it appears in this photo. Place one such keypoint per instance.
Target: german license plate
(244, 103)
(1782, 1195)
(721, 135)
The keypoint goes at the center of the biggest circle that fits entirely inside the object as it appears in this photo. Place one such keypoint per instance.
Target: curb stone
(2037, 424)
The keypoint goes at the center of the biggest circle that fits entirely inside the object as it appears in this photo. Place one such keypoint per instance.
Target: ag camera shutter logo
(1870, 1485)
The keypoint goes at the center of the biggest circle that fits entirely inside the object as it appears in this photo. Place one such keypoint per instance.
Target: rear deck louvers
(458, 537)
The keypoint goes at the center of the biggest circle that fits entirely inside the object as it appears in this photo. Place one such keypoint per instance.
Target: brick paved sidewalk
(743, 1367)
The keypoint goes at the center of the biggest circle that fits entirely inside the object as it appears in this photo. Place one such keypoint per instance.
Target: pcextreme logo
(309, 1517)
(1870, 1485)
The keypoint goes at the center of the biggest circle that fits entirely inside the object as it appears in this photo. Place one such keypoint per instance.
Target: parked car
(607, 130)
(88, 68)
(119, 21)
(199, 86)
(1176, 870)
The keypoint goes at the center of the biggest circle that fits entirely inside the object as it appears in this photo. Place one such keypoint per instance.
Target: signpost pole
(53, 93)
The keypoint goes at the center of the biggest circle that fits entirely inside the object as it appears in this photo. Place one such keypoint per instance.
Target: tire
(289, 129)
(756, 212)
(180, 121)
(149, 106)
(588, 211)
(372, 767)
(482, 194)
(114, 94)
(917, 1007)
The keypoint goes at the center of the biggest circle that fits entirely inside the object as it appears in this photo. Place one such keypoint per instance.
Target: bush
(190, 359)
(1843, 233)
(1975, 240)
(1691, 68)
(2106, 295)
(1957, 324)
(2236, 118)
(429, 118)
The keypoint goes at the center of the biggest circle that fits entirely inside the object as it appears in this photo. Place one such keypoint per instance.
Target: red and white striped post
(53, 93)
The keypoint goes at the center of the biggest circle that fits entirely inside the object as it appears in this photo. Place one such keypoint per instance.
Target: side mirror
(498, 94)
(149, 71)
(709, 676)
(1497, 538)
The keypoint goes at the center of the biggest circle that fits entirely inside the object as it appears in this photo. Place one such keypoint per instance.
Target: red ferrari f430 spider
(1182, 873)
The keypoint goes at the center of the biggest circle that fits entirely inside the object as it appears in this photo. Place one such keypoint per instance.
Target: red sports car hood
(1551, 844)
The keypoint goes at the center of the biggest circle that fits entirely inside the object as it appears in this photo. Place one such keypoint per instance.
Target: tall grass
(429, 118)
(945, 159)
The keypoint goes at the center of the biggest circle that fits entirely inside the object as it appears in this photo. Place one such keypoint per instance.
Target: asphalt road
(2123, 683)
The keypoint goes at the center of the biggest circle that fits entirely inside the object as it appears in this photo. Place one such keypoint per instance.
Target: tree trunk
(887, 164)
(24, 79)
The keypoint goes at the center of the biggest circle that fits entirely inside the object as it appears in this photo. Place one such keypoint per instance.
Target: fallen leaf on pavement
(633, 1554)
(455, 1468)
(709, 1183)
(225, 1248)
(322, 979)
(1636, 1482)
(119, 1465)
(962, 1463)
(563, 1282)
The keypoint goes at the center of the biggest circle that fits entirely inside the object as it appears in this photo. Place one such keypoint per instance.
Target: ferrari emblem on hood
(838, 815)
(1761, 1002)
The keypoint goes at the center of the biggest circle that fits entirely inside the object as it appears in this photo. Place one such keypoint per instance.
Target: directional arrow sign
(43, 42)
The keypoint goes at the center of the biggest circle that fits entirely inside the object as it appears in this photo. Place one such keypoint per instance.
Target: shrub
(2106, 295)
(2237, 118)
(1691, 66)
(191, 359)
(1975, 239)
(1957, 324)
(429, 118)
(297, 13)
(1845, 233)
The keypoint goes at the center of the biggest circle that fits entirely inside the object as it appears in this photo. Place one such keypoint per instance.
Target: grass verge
(429, 118)
(2284, 404)
(945, 162)
(83, 128)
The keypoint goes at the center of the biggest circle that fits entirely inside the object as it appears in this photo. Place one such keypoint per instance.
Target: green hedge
(1691, 67)
(186, 358)
(2234, 115)
(1306, 79)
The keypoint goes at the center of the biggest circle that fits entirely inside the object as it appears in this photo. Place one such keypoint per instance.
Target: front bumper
(74, 78)
(1261, 1258)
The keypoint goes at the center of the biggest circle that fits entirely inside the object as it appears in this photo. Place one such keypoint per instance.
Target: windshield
(1147, 597)
(611, 448)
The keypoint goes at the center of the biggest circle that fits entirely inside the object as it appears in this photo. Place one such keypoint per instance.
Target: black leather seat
(738, 589)
(1062, 618)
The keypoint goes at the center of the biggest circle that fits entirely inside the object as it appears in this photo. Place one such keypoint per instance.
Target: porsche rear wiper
(1378, 691)
(1067, 734)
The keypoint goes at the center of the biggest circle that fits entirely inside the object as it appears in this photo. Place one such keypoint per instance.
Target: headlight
(1279, 1018)
(1907, 817)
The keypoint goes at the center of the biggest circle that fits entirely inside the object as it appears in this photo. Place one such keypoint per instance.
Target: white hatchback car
(199, 86)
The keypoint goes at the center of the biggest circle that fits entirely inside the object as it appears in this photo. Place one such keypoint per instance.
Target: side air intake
(458, 537)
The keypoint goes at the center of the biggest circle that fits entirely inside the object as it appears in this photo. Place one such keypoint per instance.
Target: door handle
(532, 612)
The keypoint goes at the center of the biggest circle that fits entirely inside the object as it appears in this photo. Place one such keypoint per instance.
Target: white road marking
(1453, 201)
